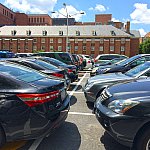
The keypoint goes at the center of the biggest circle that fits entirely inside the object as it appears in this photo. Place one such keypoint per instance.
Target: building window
(113, 33)
(94, 33)
(76, 48)
(28, 32)
(112, 40)
(34, 47)
(122, 48)
(59, 40)
(43, 47)
(43, 40)
(61, 33)
(101, 41)
(122, 40)
(44, 33)
(101, 48)
(76, 40)
(18, 47)
(84, 40)
(111, 48)
(51, 40)
(92, 40)
(26, 47)
(13, 32)
(92, 48)
(51, 47)
(37, 19)
(59, 48)
(34, 20)
(34, 40)
(84, 48)
(77, 33)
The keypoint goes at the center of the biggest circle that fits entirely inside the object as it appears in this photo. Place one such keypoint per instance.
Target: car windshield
(20, 72)
(45, 64)
(137, 70)
(126, 61)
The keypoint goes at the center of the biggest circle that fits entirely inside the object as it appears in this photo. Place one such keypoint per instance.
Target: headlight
(121, 106)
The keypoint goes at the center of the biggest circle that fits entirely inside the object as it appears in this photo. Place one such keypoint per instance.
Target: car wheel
(2, 137)
(143, 142)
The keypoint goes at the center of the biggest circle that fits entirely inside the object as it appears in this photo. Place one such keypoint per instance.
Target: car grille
(105, 95)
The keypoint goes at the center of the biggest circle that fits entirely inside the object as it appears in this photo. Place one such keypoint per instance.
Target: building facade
(8, 17)
(91, 40)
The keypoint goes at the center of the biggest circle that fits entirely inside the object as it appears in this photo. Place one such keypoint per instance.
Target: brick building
(8, 17)
(92, 40)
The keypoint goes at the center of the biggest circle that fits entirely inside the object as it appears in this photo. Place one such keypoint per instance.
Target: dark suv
(62, 56)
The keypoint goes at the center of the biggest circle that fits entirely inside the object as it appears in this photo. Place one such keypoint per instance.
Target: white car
(89, 61)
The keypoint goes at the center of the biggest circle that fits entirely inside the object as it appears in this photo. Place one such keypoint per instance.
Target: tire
(143, 141)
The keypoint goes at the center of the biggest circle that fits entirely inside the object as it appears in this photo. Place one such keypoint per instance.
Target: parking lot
(80, 131)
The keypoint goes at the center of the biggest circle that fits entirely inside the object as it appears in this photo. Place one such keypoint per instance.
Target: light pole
(67, 23)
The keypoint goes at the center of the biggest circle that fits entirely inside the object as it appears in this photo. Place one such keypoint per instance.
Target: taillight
(58, 75)
(69, 71)
(89, 61)
(95, 60)
(36, 99)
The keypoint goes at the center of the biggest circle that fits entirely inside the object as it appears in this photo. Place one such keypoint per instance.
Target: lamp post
(67, 23)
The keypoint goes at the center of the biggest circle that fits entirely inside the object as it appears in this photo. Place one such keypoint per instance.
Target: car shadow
(73, 100)
(110, 143)
(72, 86)
(90, 105)
(67, 137)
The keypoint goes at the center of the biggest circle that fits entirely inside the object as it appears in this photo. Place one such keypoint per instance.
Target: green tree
(145, 47)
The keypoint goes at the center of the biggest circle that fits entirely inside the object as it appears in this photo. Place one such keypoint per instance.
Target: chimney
(127, 27)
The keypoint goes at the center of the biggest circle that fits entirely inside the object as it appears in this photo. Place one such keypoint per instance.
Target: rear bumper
(47, 126)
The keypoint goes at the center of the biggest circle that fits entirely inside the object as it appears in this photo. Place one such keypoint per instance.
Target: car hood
(131, 90)
(109, 77)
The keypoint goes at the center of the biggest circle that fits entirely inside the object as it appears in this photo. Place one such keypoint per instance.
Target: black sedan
(71, 69)
(124, 65)
(96, 84)
(43, 67)
(124, 111)
(31, 103)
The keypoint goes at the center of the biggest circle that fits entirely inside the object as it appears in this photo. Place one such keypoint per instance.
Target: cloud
(99, 7)
(72, 12)
(31, 6)
(115, 20)
(142, 32)
(140, 14)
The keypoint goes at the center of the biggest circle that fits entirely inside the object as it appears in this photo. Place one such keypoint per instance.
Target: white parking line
(75, 88)
(75, 92)
(37, 142)
(79, 113)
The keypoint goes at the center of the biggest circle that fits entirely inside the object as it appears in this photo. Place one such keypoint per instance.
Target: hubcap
(148, 145)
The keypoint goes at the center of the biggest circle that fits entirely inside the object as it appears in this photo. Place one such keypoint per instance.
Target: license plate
(63, 94)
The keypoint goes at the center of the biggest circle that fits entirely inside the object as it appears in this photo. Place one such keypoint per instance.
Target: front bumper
(120, 127)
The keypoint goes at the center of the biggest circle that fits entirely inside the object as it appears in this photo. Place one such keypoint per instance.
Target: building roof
(98, 30)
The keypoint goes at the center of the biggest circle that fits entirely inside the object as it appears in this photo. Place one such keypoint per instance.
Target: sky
(135, 11)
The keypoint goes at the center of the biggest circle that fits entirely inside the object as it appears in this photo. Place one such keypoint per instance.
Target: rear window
(45, 64)
(20, 72)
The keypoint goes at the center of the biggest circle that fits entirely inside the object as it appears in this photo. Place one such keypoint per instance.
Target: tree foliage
(145, 47)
